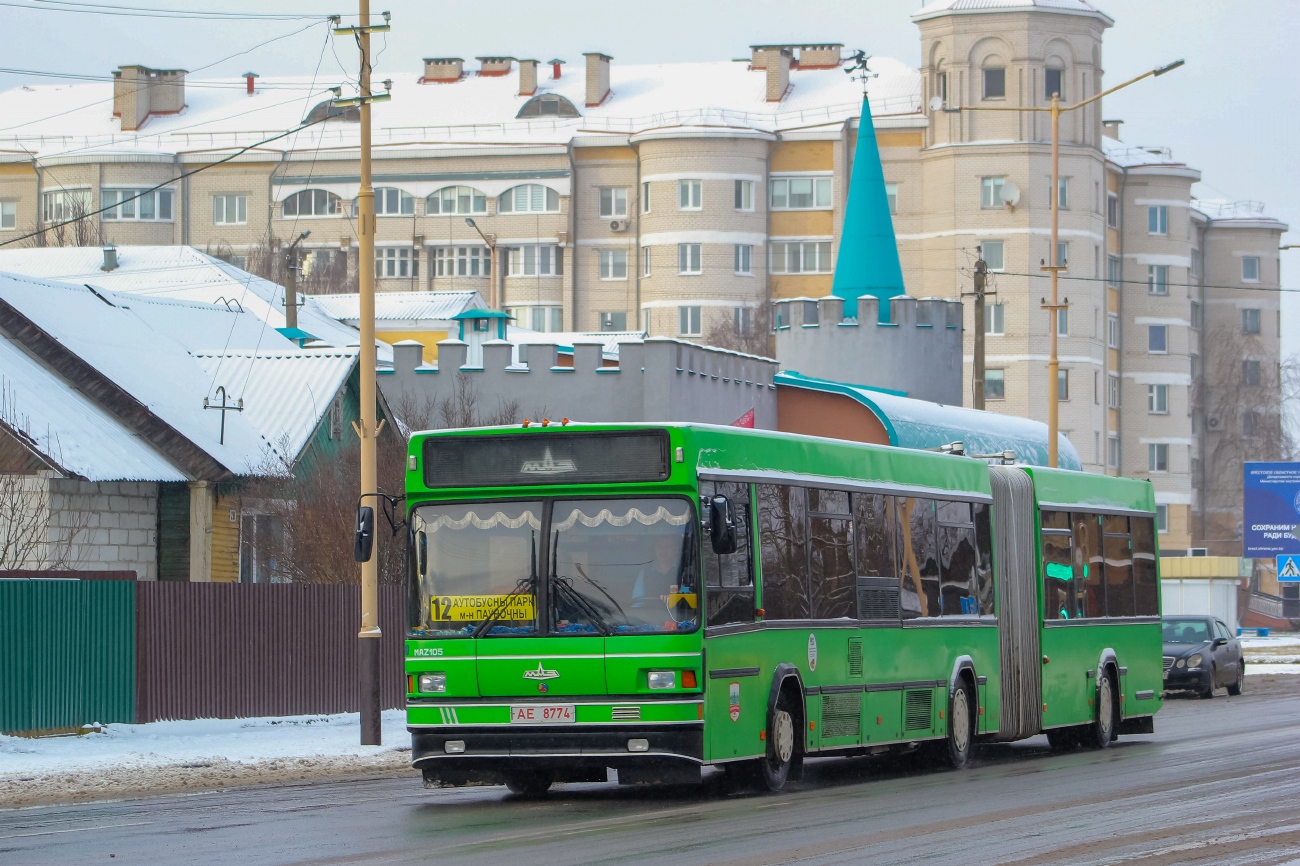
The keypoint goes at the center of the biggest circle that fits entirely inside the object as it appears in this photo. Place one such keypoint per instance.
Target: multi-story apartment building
(681, 197)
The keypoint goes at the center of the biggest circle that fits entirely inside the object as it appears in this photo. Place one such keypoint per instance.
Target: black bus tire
(961, 726)
(782, 745)
(529, 783)
(1102, 730)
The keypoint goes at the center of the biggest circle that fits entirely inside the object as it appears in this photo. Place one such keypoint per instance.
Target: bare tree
(749, 332)
(321, 271)
(78, 227)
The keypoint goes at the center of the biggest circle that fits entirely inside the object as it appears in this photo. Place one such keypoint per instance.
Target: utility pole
(977, 386)
(291, 283)
(366, 428)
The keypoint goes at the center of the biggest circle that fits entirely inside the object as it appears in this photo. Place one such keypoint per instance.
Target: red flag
(746, 420)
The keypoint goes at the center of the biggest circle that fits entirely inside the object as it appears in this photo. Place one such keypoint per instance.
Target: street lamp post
(495, 301)
(1054, 269)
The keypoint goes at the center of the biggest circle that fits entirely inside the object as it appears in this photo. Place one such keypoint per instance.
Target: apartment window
(1112, 210)
(1250, 321)
(994, 319)
(122, 204)
(312, 203)
(538, 260)
(64, 204)
(941, 85)
(1193, 265)
(456, 200)
(1158, 220)
(462, 261)
(1112, 452)
(645, 261)
(1112, 331)
(8, 214)
(811, 257)
(1157, 399)
(1112, 391)
(1157, 279)
(744, 256)
(995, 83)
(1158, 458)
(613, 264)
(229, 210)
(529, 198)
(690, 195)
(891, 194)
(1096, 398)
(1250, 372)
(1062, 253)
(393, 202)
(742, 321)
(540, 318)
(991, 192)
(1249, 424)
(1157, 339)
(396, 262)
(1063, 188)
(689, 259)
(613, 201)
(1063, 322)
(645, 196)
(688, 321)
(995, 384)
(613, 321)
(1112, 271)
(1195, 315)
(800, 193)
(1062, 385)
(744, 195)
(1162, 518)
(1250, 269)
(994, 254)
(1053, 83)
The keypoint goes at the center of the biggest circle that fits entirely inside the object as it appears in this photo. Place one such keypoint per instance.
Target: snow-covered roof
(401, 306)
(185, 274)
(968, 7)
(1130, 156)
(74, 122)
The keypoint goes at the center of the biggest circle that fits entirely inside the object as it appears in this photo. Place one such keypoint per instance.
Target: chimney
(1110, 129)
(443, 70)
(139, 91)
(248, 79)
(597, 78)
(527, 77)
(824, 56)
(495, 65)
(110, 258)
(776, 63)
(555, 68)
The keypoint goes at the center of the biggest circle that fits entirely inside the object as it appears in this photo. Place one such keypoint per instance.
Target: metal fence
(74, 652)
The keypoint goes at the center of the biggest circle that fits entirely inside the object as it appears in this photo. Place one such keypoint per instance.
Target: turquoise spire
(868, 261)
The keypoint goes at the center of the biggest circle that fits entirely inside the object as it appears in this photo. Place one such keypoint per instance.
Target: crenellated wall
(918, 352)
(658, 379)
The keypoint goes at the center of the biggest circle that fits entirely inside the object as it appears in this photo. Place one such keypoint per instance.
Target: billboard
(1271, 509)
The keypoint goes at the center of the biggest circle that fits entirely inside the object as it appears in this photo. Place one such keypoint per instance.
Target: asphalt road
(1218, 783)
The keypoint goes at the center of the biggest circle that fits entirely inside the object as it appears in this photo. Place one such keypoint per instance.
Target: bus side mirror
(364, 543)
(722, 525)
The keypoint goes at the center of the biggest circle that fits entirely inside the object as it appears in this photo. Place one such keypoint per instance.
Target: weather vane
(858, 71)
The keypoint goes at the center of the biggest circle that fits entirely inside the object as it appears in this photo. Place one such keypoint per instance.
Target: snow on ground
(1275, 654)
(200, 754)
(1253, 668)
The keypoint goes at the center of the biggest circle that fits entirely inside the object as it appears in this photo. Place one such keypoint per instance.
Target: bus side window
(833, 584)
(918, 558)
(782, 529)
(1119, 566)
(729, 578)
(1089, 566)
(1145, 582)
(984, 589)
(1059, 576)
(957, 559)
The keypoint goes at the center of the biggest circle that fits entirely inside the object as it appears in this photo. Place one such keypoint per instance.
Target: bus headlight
(433, 682)
(1195, 661)
(662, 679)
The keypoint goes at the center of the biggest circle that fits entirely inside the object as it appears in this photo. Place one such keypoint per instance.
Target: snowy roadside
(198, 755)
(1275, 654)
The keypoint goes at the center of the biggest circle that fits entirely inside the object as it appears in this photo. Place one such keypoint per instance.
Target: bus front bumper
(485, 753)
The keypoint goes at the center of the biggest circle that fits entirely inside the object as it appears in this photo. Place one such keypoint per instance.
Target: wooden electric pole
(977, 386)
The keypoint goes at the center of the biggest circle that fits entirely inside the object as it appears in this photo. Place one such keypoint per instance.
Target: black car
(1200, 655)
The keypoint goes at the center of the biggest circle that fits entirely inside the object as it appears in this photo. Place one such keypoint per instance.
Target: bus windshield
(611, 567)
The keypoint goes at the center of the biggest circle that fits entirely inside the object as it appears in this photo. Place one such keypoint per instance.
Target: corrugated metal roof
(404, 306)
(921, 424)
(285, 393)
(68, 428)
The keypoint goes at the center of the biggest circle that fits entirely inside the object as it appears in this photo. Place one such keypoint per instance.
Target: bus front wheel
(781, 733)
(960, 726)
(529, 783)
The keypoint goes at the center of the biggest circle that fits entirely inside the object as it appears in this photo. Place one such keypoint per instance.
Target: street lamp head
(470, 222)
(303, 236)
(1168, 67)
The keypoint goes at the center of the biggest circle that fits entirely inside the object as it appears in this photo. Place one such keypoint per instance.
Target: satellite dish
(1010, 194)
(936, 103)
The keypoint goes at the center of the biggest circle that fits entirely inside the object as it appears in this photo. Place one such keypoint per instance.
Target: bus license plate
(542, 714)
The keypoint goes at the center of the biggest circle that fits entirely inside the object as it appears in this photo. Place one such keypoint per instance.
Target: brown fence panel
(212, 650)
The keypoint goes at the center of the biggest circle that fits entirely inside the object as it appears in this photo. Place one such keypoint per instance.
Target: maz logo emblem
(548, 465)
(541, 673)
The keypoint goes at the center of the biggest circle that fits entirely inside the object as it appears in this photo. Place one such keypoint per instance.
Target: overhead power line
(1166, 284)
(157, 12)
(233, 85)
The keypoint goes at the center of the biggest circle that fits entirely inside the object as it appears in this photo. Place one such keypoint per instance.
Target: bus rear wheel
(781, 732)
(529, 783)
(1102, 730)
(960, 726)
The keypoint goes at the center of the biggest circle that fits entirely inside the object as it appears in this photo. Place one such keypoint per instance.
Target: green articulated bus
(655, 599)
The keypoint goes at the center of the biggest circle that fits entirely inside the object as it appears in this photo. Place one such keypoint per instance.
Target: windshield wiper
(612, 600)
(579, 600)
(529, 583)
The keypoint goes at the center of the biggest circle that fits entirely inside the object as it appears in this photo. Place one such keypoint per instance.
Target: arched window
(456, 199)
(548, 105)
(328, 111)
(393, 202)
(531, 197)
(313, 202)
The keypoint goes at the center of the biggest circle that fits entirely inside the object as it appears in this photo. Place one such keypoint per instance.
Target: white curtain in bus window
(1088, 566)
(782, 530)
(984, 589)
(1145, 582)
(957, 559)
(1119, 567)
(917, 547)
(729, 578)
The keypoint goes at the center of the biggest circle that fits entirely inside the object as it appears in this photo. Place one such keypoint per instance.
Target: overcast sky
(1231, 112)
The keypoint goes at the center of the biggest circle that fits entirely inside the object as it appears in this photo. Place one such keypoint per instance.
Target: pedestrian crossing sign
(1288, 569)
